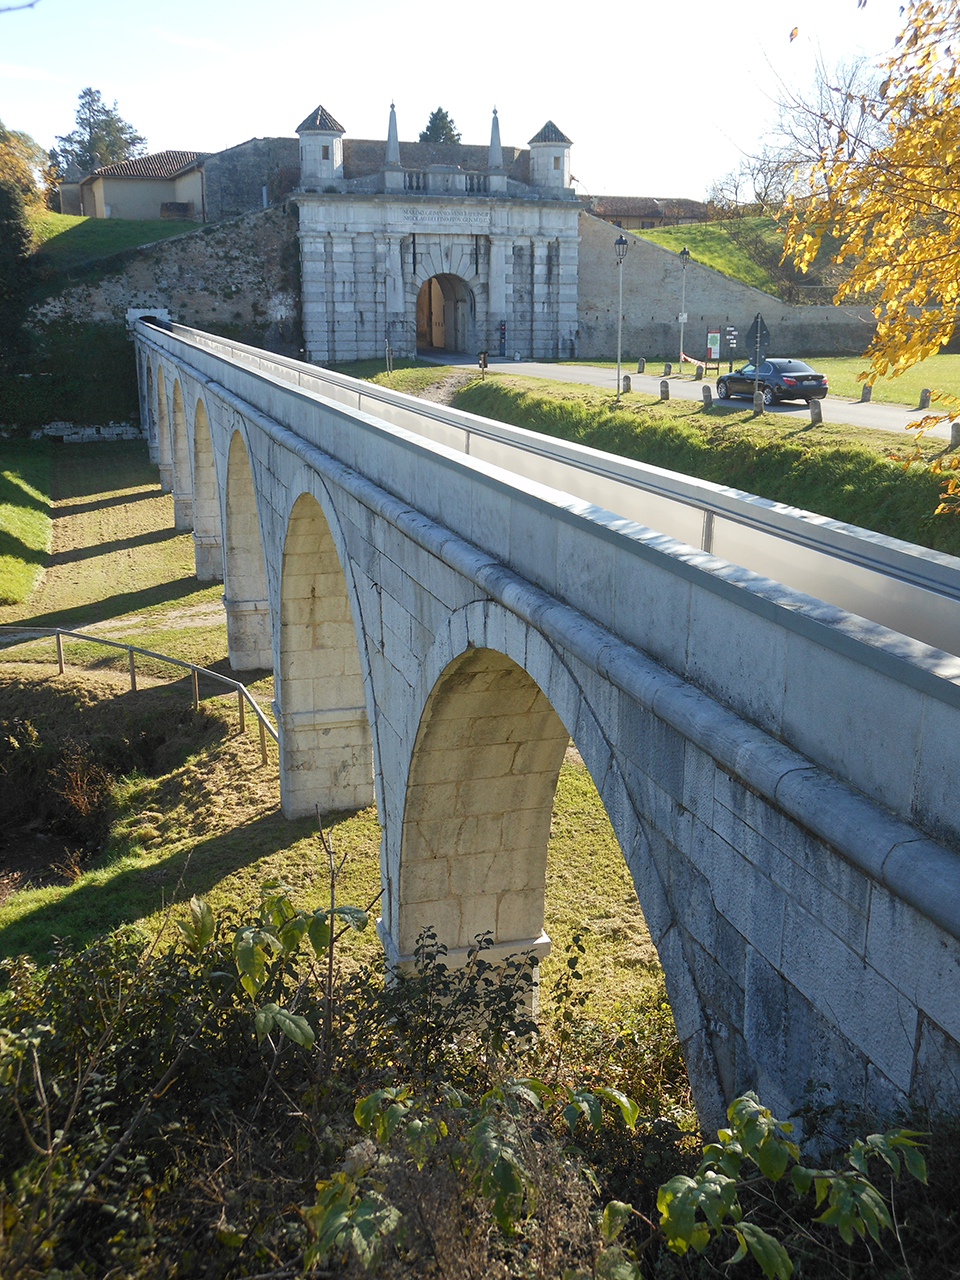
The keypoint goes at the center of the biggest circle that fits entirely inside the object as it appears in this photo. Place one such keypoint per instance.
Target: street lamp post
(620, 248)
(684, 259)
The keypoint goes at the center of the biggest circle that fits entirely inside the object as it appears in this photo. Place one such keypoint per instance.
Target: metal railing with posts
(244, 697)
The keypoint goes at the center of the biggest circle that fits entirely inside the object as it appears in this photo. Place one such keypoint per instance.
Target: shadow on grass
(83, 615)
(92, 908)
(104, 467)
(15, 492)
(118, 544)
(17, 549)
(118, 500)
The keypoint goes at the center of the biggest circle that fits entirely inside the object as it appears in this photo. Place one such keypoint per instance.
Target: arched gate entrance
(446, 315)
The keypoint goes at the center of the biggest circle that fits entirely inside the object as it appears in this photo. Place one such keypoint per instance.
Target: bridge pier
(326, 760)
(249, 642)
(166, 475)
(182, 511)
(208, 556)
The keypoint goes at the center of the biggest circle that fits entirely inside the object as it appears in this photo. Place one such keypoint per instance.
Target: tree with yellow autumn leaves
(893, 200)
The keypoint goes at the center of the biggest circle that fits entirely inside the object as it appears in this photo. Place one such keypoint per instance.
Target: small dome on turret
(550, 133)
(320, 121)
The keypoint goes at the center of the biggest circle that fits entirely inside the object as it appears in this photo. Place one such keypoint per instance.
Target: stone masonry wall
(234, 179)
(237, 277)
(651, 304)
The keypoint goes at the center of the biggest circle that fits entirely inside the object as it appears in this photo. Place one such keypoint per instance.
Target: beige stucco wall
(139, 197)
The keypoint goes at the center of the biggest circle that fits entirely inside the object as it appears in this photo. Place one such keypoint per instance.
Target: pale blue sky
(658, 101)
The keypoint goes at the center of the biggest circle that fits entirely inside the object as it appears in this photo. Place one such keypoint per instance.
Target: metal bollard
(664, 389)
(757, 403)
(60, 652)
(816, 413)
(626, 383)
(667, 369)
(641, 365)
(133, 673)
(924, 399)
(243, 718)
(866, 393)
(707, 397)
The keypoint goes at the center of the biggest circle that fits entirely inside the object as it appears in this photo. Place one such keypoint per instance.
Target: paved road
(878, 417)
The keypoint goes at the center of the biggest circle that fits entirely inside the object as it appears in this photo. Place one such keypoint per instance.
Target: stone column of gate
(542, 331)
(313, 292)
(567, 298)
(497, 304)
(393, 274)
(344, 301)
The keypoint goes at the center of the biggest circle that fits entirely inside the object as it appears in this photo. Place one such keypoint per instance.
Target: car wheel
(723, 391)
(769, 396)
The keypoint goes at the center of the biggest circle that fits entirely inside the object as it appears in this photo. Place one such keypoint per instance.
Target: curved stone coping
(917, 869)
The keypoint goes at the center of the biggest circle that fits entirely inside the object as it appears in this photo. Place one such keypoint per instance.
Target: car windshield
(791, 366)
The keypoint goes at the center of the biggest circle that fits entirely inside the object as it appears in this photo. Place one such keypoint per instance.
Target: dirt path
(114, 549)
(444, 389)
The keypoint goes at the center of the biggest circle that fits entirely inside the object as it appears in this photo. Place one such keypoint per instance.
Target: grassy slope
(711, 244)
(25, 524)
(65, 242)
(835, 471)
(211, 825)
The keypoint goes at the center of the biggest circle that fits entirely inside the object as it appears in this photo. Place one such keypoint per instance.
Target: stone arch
(249, 642)
(182, 479)
(207, 537)
(326, 745)
(483, 652)
(164, 449)
(446, 314)
(477, 815)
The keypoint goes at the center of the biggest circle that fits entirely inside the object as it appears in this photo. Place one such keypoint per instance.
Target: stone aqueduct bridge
(446, 602)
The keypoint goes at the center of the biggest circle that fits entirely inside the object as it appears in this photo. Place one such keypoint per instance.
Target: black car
(779, 379)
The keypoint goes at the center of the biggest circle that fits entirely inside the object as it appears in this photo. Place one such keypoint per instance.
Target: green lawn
(25, 520)
(66, 242)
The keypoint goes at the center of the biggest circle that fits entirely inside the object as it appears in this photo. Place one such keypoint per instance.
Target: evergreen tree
(15, 243)
(101, 137)
(440, 128)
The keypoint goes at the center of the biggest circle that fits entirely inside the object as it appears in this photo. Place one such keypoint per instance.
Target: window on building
(558, 162)
(325, 153)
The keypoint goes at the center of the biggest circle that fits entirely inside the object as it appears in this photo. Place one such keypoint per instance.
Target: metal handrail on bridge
(243, 693)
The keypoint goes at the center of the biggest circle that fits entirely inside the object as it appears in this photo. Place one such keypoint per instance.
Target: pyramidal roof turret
(550, 133)
(320, 121)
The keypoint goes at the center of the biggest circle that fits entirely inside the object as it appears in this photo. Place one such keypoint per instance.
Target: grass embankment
(65, 243)
(835, 471)
(713, 245)
(25, 523)
(411, 376)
